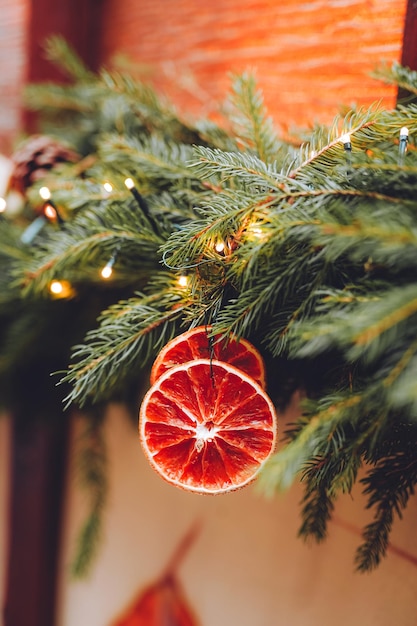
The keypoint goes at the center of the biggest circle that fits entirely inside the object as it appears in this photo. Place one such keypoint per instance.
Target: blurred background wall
(14, 16)
(246, 568)
(310, 56)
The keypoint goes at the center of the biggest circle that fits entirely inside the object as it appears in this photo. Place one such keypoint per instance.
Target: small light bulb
(129, 183)
(183, 280)
(56, 287)
(3, 205)
(347, 147)
(107, 271)
(44, 193)
(108, 187)
(61, 289)
(50, 212)
(219, 246)
(257, 234)
(403, 144)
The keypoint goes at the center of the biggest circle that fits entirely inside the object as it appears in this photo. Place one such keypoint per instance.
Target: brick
(310, 57)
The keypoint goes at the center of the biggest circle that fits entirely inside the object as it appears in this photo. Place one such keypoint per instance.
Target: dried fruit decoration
(207, 427)
(198, 344)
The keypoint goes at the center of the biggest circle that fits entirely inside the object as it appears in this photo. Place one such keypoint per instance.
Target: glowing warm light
(44, 193)
(183, 280)
(129, 183)
(219, 246)
(345, 138)
(50, 212)
(256, 233)
(107, 271)
(61, 289)
(108, 187)
(56, 287)
(404, 132)
(3, 205)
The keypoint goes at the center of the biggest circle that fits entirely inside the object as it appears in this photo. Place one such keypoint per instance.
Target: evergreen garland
(318, 269)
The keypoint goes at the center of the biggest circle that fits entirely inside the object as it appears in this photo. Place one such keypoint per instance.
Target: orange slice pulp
(207, 427)
(197, 344)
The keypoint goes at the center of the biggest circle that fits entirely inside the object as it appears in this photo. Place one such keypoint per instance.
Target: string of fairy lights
(51, 213)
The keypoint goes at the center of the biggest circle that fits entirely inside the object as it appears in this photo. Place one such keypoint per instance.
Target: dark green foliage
(389, 485)
(92, 475)
(318, 269)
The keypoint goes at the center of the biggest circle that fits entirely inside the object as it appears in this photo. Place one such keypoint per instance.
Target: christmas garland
(305, 247)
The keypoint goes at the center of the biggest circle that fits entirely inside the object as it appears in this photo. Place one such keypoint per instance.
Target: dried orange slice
(206, 426)
(196, 344)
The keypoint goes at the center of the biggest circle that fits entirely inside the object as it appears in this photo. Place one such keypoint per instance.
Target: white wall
(246, 568)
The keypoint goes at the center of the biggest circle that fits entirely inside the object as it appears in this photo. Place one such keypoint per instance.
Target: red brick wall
(310, 56)
(14, 15)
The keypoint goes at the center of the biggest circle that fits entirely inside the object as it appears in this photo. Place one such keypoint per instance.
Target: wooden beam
(39, 453)
(78, 21)
(409, 48)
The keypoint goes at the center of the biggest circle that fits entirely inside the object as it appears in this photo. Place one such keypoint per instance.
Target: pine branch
(219, 220)
(61, 54)
(373, 127)
(314, 437)
(158, 113)
(158, 162)
(95, 104)
(50, 97)
(78, 251)
(92, 475)
(317, 509)
(112, 354)
(397, 75)
(253, 127)
(363, 329)
(376, 539)
(12, 252)
(325, 476)
(215, 136)
(389, 486)
(247, 168)
(401, 384)
(325, 149)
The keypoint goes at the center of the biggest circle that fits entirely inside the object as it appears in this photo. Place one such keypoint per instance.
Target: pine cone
(35, 158)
